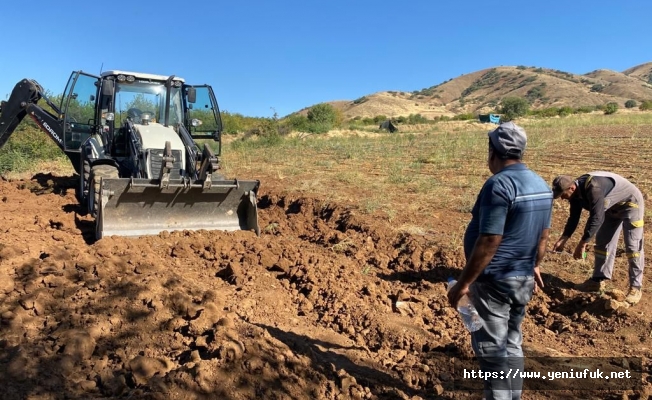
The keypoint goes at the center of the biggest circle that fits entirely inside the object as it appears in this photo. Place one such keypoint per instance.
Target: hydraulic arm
(23, 101)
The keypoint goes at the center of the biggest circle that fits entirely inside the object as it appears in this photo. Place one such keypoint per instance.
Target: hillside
(643, 71)
(482, 90)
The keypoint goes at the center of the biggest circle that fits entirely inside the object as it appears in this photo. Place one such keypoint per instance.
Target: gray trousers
(627, 218)
(501, 305)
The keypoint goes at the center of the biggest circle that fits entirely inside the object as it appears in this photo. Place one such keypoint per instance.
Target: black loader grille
(155, 159)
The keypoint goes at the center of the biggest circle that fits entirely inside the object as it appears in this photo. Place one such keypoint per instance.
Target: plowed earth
(326, 304)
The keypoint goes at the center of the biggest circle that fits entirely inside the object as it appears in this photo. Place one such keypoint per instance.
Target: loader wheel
(97, 173)
(82, 189)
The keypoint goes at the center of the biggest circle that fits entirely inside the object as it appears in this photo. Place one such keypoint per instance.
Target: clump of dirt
(327, 303)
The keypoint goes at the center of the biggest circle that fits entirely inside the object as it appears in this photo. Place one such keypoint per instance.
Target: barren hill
(643, 71)
(482, 90)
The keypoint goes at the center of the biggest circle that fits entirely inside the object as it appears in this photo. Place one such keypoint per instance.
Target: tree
(513, 107)
(322, 117)
(611, 108)
(630, 104)
(321, 113)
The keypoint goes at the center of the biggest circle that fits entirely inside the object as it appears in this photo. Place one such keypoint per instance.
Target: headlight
(122, 78)
(195, 122)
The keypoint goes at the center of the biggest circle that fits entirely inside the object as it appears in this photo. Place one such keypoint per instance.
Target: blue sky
(284, 55)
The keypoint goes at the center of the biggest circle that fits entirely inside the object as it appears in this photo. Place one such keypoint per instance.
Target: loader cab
(79, 108)
(139, 99)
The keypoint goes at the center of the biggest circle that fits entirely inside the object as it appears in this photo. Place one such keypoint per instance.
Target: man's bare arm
(543, 243)
(484, 250)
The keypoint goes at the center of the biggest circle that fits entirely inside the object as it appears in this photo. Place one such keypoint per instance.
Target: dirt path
(308, 310)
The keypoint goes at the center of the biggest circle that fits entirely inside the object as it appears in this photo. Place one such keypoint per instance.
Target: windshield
(135, 98)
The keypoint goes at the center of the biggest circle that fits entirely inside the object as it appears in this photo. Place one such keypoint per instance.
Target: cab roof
(140, 75)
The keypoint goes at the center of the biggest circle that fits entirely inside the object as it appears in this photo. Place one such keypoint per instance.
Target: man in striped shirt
(504, 244)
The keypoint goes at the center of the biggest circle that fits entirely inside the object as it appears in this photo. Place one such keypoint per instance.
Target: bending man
(614, 204)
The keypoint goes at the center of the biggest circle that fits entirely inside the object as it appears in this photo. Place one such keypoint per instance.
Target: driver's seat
(134, 115)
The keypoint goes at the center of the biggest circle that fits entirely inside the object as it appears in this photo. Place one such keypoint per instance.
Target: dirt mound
(325, 304)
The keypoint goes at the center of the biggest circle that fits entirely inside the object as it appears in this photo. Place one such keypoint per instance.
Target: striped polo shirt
(517, 204)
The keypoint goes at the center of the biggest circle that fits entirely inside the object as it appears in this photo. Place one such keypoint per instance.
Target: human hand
(456, 293)
(538, 281)
(559, 245)
(579, 251)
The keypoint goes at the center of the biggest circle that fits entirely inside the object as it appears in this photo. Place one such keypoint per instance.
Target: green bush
(417, 119)
(27, 145)
(645, 105)
(610, 108)
(464, 117)
(322, 118)
(598, 87)
(513, 107)
(297, 122)
(535, 93)
(379, 118)
(544, 112)
(565, 111)
(584, 109)
(322, 113)
(630, 104)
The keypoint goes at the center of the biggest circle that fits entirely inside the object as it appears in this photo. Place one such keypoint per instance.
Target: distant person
(614, 204)
(504, 244)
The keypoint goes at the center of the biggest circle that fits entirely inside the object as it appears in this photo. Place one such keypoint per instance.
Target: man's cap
(509, 140)
(560, 184)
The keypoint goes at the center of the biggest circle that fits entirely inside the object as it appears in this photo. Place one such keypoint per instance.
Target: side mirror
(192, 95)
(107, 88)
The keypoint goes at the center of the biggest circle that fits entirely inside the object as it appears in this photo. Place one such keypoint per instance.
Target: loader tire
(82, 189)
(97, 173)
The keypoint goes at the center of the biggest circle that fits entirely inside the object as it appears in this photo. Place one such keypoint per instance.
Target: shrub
(417, 119)
(545, 112)
(535, 93)
(379, 118)
(610, 108)
(598, 87)
(464, 117)
(513, 107)
(645, 105)
(297, 122)
(321, 113)
(28, 145)
(630, 104)
(584, 109)
(565, 111)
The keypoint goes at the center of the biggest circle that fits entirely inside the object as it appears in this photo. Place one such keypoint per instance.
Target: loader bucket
(138, 207)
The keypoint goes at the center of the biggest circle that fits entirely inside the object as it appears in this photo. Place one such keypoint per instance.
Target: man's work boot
(634, 295)
(591, 285)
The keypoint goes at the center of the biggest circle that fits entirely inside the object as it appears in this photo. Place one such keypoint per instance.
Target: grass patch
(27, 147)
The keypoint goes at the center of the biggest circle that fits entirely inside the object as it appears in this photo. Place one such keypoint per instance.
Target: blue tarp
(492, 118)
